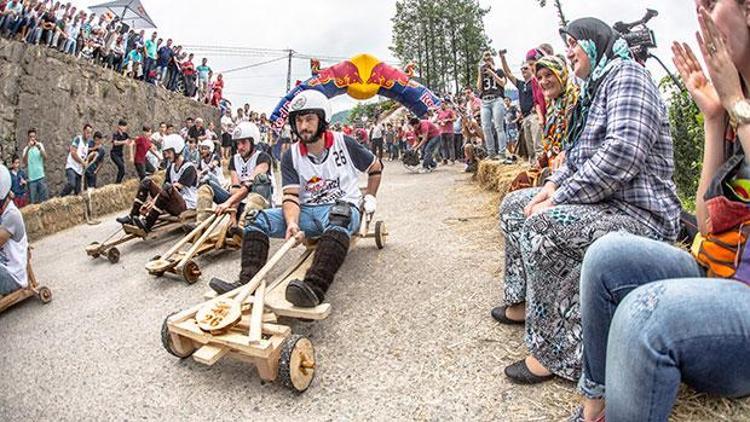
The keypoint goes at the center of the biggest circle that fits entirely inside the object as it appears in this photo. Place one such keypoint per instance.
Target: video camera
(638, 36)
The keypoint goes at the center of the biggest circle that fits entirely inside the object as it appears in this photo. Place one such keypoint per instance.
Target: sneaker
(508, 160)
(127, 219)
(220, 286)
(423, 170)
(138, 222)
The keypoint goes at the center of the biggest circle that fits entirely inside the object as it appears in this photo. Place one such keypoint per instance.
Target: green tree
(560, 14)
(444, 38)
(686, 124)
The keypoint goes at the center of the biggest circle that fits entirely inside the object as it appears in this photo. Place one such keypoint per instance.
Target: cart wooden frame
(257, 337)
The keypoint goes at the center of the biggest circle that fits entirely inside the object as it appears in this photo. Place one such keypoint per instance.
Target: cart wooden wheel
(45, 295)
(191, 272)
(113, 255)
(166, 341)
(381, 234)
(297, 363)
(91, 247)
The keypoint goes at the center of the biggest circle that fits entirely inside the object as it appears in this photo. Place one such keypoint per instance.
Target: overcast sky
(345, 27)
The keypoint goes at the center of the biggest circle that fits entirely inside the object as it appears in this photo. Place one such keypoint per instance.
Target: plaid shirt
(624, 156)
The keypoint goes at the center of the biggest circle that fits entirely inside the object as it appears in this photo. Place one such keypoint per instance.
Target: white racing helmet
(246, 130)
(208, 144)
(174, 142)
(5, 182)
(310, 101)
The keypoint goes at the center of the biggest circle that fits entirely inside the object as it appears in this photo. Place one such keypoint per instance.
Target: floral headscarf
(560, 109)
(605, 49)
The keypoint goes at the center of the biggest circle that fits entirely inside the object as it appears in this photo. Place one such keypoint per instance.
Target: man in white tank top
(321, 198)
(175, 196)
(14, 244)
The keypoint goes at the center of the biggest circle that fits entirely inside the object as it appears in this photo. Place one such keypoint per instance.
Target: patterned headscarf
(559, 109)
(604, 49)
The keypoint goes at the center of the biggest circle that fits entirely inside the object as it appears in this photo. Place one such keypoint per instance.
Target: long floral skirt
(543, 256)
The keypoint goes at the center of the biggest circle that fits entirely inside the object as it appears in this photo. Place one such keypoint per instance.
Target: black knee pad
(262, 186)
(167, 187)
(340, 214)
(146, 183)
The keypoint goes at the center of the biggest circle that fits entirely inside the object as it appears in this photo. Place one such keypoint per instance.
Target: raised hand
(721, 68)
(700, 88)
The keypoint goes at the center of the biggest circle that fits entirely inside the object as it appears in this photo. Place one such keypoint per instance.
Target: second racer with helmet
(321, 198)
(177, 195)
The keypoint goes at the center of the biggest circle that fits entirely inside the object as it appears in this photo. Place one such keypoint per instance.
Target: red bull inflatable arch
(362, 77)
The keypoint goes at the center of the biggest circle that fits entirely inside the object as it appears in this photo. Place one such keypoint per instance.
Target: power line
(236, 69)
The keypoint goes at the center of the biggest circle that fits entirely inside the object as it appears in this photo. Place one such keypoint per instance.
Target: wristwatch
(739, 113)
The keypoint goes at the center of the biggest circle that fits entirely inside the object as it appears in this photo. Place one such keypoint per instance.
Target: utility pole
(289, 71)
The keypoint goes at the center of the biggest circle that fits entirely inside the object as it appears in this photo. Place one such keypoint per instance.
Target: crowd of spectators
(107, 41)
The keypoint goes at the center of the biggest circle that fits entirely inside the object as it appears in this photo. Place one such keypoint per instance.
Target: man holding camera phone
(491, 85)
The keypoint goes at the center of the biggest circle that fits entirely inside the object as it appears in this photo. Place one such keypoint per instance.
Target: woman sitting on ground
(617, 175)
(562, 96)
(641, 342)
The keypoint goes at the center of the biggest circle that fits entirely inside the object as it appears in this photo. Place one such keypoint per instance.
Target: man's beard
(307, 137)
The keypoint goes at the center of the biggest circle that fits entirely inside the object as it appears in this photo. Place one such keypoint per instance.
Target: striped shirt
(624, 156)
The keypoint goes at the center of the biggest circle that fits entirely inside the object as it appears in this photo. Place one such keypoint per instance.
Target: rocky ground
(409, 338)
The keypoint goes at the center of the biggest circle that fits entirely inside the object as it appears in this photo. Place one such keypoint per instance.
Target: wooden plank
(18, 296)
(235, 341)
(317, 313)
(268, 328)
(209, 354)
(194, 248)
(188, 238)
(256, 315)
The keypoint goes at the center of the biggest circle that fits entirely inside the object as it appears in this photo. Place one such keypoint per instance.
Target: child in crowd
(18, 183)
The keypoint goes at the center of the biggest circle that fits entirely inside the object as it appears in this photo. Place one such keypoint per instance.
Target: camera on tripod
(638, 36)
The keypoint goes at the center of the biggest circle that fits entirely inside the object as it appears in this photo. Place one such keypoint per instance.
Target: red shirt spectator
(446, 118)
(347, 130)
(426, 126)
(142, 145)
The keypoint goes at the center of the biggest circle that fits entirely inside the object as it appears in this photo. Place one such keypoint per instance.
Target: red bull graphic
(362, 77)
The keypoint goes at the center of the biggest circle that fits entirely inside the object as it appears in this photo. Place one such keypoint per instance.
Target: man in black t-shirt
(198, 131)
(119, 140)
(491, 85)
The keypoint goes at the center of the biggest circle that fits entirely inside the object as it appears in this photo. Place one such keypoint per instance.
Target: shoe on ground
(126, 219)
(220, 286)
(501, 316)
(299, 293)
(521, 374)
(508, 160)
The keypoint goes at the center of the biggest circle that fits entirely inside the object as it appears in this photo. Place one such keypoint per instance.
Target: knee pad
(340, 214)
(166, 187)
(146, 183)
(262, 186)
(256, 202)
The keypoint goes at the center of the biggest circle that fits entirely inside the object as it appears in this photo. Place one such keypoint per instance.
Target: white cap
(246, 130)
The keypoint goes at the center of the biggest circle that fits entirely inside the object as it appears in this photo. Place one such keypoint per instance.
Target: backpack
(723, 251)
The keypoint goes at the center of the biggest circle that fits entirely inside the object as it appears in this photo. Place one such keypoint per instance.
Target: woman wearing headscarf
(617, 176)
(654, 316)
(561, 96)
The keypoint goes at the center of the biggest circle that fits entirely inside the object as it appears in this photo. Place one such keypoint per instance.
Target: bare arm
(373, 180)
(507, 71)
(4, 237)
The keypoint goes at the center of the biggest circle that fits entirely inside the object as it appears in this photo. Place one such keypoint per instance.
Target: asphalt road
(409, 337)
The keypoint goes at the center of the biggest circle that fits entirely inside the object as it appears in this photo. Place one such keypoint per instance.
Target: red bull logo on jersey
(322, 191)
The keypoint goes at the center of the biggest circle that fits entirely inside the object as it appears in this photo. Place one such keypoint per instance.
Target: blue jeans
(427, 152)
(73, 183)
(7, 284)
(675, 326)
(38, 190)
(493, 117)
(313, 220)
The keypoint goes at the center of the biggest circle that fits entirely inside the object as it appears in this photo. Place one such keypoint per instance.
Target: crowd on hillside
(111, 43)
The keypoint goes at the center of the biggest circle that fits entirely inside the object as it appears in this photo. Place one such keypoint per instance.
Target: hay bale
(497, 177)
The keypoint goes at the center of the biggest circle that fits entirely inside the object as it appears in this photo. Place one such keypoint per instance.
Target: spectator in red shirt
(428, 138)
(445, 117)
(142, 146)
(188, 71)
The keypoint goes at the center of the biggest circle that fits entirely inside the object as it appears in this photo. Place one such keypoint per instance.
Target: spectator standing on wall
(77, 154)
(33, 157)
(203, 71)
(119, 140)
(163, 57)
(149, 57)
